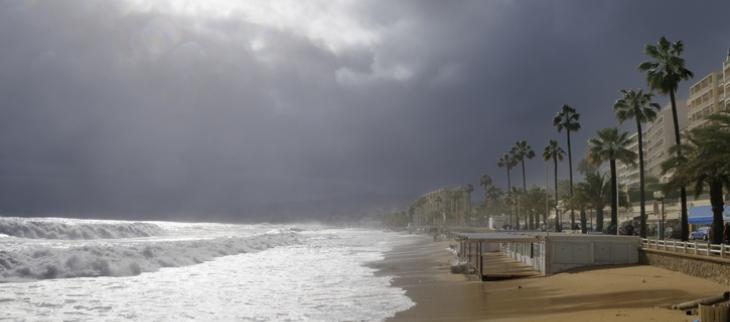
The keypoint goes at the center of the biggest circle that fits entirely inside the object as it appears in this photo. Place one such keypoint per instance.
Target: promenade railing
(694, 248)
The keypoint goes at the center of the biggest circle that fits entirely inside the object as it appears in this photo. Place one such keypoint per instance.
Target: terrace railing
(694, 248)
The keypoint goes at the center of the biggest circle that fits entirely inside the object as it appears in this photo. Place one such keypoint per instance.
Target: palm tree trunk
(642, 210)
(557, 213)
(614, 198)
(599, 219)
(718, 207)
(524, 180)
(524, 192)
(509, 194)
(486, 198)
(684, 221)
(583, 228)
(570, 172)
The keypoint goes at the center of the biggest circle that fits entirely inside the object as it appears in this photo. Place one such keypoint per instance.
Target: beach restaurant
(514, 254)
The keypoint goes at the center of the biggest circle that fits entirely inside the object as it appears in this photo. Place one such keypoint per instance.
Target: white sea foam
(126, 258)
(273, 274)
(58, 228)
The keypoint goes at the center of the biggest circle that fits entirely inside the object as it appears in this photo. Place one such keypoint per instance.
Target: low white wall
(569, 252)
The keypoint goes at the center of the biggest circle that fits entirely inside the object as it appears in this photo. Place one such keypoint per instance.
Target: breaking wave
(48, 228)
(126, 259)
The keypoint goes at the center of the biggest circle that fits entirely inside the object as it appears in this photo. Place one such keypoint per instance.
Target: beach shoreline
(625, 293)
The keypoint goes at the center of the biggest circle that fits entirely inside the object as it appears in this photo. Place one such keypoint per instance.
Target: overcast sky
(127, 108)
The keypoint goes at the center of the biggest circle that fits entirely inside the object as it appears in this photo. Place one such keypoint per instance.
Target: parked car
(700, 234)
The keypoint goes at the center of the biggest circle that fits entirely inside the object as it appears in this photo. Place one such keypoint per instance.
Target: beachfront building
(705, 97)
(726, 82)
(543, 253)
(449, 206)
(658, 138)
(710, 95)
(628, 175)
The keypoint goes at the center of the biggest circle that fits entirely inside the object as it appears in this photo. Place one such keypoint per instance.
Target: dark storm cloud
(111, 110)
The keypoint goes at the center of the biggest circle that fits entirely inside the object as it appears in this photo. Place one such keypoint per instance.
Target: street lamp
(659, 195)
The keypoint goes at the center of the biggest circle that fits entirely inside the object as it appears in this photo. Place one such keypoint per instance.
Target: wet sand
(631, 293)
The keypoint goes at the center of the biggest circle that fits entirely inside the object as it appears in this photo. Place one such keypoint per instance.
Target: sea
(57, 269)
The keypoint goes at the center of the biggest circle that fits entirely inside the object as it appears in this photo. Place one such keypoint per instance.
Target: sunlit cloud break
(332, 24)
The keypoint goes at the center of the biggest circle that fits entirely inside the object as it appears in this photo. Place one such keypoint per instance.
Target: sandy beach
(631, 293)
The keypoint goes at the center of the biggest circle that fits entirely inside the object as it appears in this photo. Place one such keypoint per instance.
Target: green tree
(495, 203)
(396, 220)
(534, 202)
(567, 119)
(638, 106)
(515, 198)
(581, 201)
(508, 162)
(597, 192)
(585, 166)
(439, 216)
(611, 145)
(664, 70)
(520, 152)
(485, 182)
(705, 162)
(554, 152)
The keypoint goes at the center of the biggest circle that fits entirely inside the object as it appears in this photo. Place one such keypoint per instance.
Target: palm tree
(596, 190)
(664, 71)
(581, 201)
(494, 197)
(439, 214)
(485, 182)
(567, 119)
(534, 201)
(611, 145)
(704, 162)
(508, 162)
(522, 151)
(554, 152)
(515, 198)
(638, 106)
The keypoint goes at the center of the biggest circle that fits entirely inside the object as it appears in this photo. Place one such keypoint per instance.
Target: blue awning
(702, 215)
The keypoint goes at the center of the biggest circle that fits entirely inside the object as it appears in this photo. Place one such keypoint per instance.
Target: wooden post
(713, 313)
(469, 256)
(481, 262)
(722, 250)
(461, 249)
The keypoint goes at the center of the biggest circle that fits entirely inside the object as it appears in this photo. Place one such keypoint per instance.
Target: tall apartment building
(658, 137)
(710, 95)
(726, 81)
(629, 175)
(705, 97)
